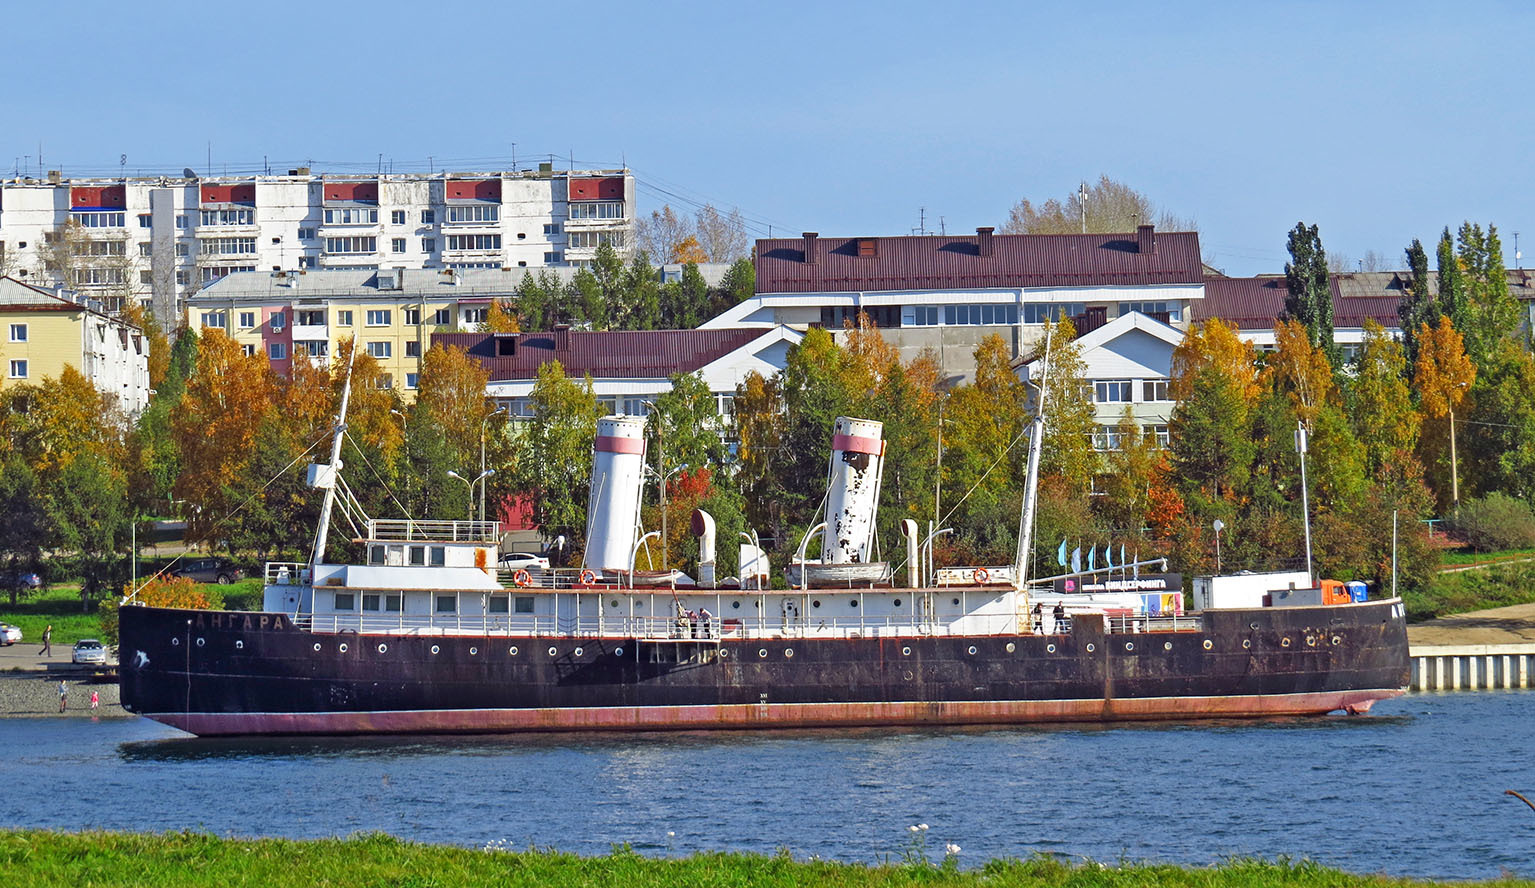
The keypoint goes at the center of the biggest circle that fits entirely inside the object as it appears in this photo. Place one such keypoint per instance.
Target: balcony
(310, 332)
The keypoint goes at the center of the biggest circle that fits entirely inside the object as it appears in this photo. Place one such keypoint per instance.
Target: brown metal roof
(842, 264)
(1257, 303)
(611, 354)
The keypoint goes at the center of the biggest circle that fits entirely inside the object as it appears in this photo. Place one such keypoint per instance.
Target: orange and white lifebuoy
(588, 578)
(521, 577)
(980, 576)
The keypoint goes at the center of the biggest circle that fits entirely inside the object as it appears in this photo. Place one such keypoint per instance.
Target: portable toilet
(1358, 590)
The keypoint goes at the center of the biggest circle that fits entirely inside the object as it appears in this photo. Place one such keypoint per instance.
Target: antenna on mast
(1082, 204)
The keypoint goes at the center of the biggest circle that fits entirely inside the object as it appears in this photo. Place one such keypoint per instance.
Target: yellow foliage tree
(451, 396)
(158, 591)
(689, 250)
(1443, 376)
(225, 401)
(500, 318)
(1300, 370)
(1213, 344)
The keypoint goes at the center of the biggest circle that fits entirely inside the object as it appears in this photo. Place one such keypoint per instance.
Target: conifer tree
(1418, 306)
(1310, 297)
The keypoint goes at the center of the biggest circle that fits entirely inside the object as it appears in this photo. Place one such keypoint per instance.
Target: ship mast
(1031, 482)
(328, 477)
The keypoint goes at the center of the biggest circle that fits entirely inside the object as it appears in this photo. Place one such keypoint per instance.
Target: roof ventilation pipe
(909, 530)
(703, 528)
(1145, 239)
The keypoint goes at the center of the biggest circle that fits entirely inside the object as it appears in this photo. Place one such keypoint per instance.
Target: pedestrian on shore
(63, 694)
(95, 699)
(47, 642)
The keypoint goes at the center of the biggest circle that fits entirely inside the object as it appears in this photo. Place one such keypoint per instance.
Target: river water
(1414, 789)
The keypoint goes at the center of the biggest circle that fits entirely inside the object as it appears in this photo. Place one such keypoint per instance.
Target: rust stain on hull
(773, 715)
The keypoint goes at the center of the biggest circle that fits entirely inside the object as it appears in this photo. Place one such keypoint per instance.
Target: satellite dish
(187, 171)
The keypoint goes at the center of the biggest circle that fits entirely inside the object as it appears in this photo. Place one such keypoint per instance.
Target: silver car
(9, 634)
(90, 652)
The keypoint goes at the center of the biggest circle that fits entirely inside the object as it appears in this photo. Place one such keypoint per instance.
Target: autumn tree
(1380, 402)
(1443, 376)
(1110, 207)
(501, 317)
(1308, 296)
(662, 232)
(1070, 417)
(450, 396)
(760, 430)
(721, 236)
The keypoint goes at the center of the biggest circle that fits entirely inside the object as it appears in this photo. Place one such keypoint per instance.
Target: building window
(314, 348)
(412, 317)
(552, 257)
(345, 245)
(597, 210)
(215, 319)
(1112, 392)
(475, 315)
(277, 351)
(551, 228)
(248, 350)
(919, 316)
(227, 246)
(410, 380)
(474, 241)
(1154, 390)
(18, 332)
(980, 315)
(98, 219)
(1170, 309)
(345, 601)
(247, 320)
(309, 318)
(344, 318)
(385, 381)
(183, 249)
(1039, 312)
(443, 317)
(412, 350)
(182, 277)
(306, 262)
(306, 234)
(429, 245)
(591, 239)
(378, 317)
(1106, 437)
(145, 220)
(1156, 434)
(146, 277)
(228, 217)
(396, 217)
(397, 245)
(380, 349)
(212, 273)
(473, 213)
(145, 250)
(181, 221)
(418, 556)
(18, 369)
(428, 217)
(439, 556)
(279, 320)
(351, 216)
(99, 276)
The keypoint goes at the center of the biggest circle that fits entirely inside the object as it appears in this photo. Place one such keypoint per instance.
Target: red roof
(648, 354)
(1257, 303)
(955, 262)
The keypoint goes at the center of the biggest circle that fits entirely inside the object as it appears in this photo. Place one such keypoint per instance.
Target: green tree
(1211, 444)
(685, 304)
(1418, 306)
(1309, 296)
(1070, 417)
(23, 533)
(88, 517)
(686, 426)
(1498, 441)
(760, 429)
(1452, 285)
(554, 458)
(738, 285)
(983, 453)
(1380, 402)
(1492, 314)
(641, 303)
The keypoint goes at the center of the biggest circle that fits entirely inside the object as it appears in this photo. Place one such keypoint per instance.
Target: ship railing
(410, 529)
(287, 573)
(1131, 624)
(650, 628)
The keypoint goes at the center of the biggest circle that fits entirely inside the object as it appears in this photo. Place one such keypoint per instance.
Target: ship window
(345, 601)
(447, 604)
(498, 604)
(418, 555)
(393, 601)
(396, 555)
(375, 554)
(371, 602)
(439, 556)
(525, 604)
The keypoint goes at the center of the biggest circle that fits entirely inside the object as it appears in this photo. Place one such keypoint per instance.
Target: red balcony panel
(358, 191)
(240, 194)
(474, 189)
(109, 197)
(606, 188)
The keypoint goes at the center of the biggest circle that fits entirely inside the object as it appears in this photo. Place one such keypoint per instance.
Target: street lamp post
(405, 445)
(660, 475)
(496, 412)
(470, 485)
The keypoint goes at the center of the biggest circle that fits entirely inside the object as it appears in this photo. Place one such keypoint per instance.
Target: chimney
(561, 338)
(810, 257)
(1145, 239)
(983, 240)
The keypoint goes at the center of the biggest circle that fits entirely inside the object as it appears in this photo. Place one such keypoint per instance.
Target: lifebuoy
(980, 576)
(588, 578)
(521, 577)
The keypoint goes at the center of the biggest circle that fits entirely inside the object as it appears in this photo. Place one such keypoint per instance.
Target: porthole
(578, 652)
(762, 653)
(619, 652)
(239, 645)
(512, 650)
(789, 653)
(853, 603)
(1209, 644)
(176, 642)
(341, 647)
(1091, 647)
(436, 649)
(1284, 642)
(553, 651)
(383, 648)
(1311, 641)
(613, 603)
(972, 650)
(735, 605)
(1253, 626)
(1011, 647)
(756, 604)
(898, 602)
(1336, 640)
(317, 647)
(816, 603)
(1049, 648)
(1167, 645)
(905, 651)
(956, 602)
(1247, 643)
(723, 653)
(200, 642)
(907, 675)
(473, 651)
(1129, 645)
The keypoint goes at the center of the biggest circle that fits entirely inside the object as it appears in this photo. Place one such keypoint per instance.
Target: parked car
(27, 580)
(209, 570)
(9, 634)
(90, 652)
(523, 561)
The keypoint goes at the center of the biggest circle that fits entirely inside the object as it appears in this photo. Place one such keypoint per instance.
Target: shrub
(1495, 522)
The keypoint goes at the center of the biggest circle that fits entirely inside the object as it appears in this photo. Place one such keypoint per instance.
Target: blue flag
(1076, 560)
(1108, 557)
(1092, 557)
(1060, 554)
(1121, 556)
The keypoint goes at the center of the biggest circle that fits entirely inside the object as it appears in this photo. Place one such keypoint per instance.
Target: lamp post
(660, 475)
(470, 485)
(405, 445)
(1301, 447)
(496, 412)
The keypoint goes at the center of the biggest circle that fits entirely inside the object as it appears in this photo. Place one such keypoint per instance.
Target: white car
(90, 652)
(523, 561)
(9, 634)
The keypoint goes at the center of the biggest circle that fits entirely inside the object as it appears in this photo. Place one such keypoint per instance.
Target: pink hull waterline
(772, 715)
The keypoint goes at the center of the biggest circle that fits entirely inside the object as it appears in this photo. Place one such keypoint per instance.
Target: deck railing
(408, 529)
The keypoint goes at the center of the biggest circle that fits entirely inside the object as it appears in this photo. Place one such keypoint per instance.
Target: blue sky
(1379, 122)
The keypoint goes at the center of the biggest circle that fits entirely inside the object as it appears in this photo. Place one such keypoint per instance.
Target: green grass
(1464, 556)
(1472, 590)
(55, 605)
(65, 860)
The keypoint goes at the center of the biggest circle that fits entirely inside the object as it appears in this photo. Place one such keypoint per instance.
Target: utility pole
(1305, 503)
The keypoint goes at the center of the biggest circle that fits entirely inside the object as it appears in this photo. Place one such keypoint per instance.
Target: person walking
(47, 642)
(95, 699)
(63, 694)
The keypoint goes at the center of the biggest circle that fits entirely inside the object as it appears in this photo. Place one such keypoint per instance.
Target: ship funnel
(857, 463)
(613, 510)
(703, 528)
(913, 561)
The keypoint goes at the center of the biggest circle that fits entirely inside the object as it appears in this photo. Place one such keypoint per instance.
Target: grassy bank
(1472, 590)
(66, 860)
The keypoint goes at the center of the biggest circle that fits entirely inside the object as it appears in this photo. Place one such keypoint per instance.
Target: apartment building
(46, 330)
(946, 293)
(162, 239)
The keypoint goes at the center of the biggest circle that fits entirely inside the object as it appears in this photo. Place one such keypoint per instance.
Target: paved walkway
(1500, 625)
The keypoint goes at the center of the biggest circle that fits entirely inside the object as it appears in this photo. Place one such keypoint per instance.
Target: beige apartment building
(43, 331)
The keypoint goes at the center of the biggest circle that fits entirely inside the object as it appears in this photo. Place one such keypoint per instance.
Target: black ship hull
(223, 673)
